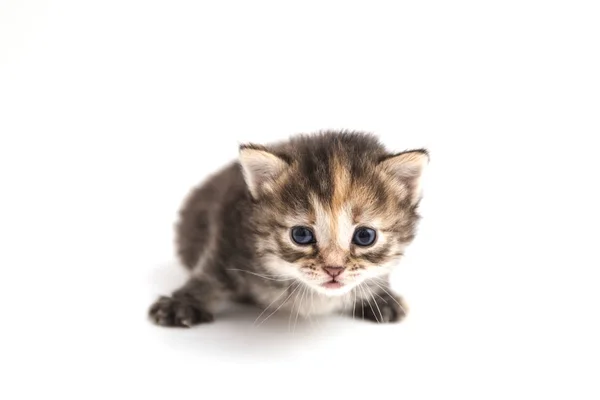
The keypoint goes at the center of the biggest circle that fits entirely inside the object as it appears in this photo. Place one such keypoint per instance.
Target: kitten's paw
(167, 311)
(385, 309)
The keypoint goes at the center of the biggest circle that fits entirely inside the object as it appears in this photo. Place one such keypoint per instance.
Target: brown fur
(234, 230)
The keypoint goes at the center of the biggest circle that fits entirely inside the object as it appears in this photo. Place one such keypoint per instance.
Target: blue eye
(302, 235)
(364, 236)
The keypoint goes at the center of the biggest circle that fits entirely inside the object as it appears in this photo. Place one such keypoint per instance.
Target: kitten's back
(201, 216)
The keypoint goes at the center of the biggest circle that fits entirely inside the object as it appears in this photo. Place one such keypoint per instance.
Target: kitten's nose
(334, 271)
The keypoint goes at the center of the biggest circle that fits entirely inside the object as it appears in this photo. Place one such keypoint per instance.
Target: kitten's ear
(260, 168)
(407, 169)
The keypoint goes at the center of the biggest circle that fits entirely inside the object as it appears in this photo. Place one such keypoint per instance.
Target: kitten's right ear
(407, 169)
(260, 168)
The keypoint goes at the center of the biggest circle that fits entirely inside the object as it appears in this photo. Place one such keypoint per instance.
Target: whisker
(281, 305)
(299, 305)
(369, 301)
(273, 302)
(375, 301)
(379, 279)
(382, 299)
(391, 296)
(362, 301)
(271, 277)
(363, 307)
(292, 313)
(354, 307)
(245, 270)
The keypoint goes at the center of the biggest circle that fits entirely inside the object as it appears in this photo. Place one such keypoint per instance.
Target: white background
(111, 111)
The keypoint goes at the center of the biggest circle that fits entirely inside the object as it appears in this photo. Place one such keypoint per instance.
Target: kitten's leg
(379, 303)
(192, 304)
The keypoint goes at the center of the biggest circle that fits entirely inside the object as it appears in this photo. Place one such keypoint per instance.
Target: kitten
(312, 226)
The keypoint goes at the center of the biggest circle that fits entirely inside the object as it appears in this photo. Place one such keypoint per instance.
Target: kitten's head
(332, 209)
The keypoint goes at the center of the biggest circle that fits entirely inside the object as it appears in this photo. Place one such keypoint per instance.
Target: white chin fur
(332, 292)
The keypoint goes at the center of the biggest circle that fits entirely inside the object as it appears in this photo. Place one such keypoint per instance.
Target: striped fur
(332, 182)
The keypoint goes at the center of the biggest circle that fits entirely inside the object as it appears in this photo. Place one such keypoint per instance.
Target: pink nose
(334, 271)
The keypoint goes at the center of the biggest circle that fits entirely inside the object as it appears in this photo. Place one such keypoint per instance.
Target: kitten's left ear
(260, 168)
(407, 168)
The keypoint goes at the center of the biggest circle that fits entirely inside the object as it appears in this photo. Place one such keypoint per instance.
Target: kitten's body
(233, 232)
(216, 242)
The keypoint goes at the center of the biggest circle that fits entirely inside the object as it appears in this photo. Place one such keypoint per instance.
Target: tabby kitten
(311, 226)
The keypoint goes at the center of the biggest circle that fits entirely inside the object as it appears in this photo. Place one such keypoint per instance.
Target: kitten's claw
(167, 311)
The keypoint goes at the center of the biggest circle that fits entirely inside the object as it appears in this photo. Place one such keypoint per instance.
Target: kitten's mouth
(333, 284)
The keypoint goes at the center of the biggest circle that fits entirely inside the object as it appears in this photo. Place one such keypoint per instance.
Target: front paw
(167, 311)
(385, 308)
